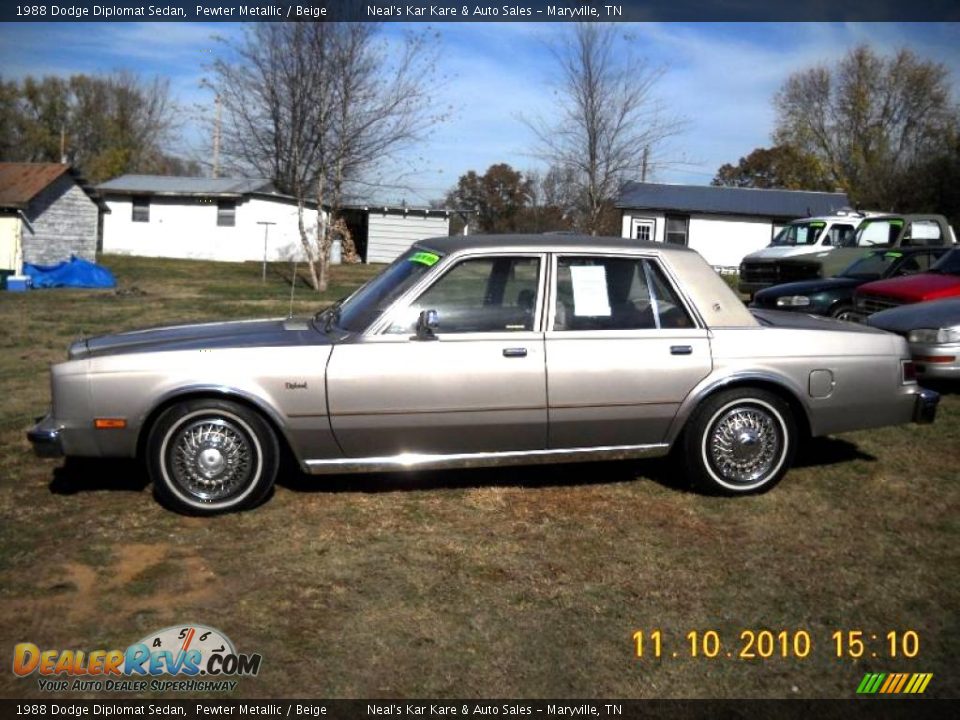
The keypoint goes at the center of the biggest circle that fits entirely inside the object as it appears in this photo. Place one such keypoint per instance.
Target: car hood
(808, 287)
(782, 251)
(915, 288)
(218, 335)
(903, 319)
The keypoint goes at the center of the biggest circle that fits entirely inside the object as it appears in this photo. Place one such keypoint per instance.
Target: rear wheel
(740, 441)
(211, 456)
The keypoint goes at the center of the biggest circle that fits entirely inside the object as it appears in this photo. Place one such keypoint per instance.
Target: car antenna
(293, 285)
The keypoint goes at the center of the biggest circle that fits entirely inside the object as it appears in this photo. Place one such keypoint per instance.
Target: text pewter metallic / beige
(480, 351)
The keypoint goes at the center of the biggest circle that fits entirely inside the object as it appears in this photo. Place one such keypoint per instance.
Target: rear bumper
(925, 407)
(45, 438)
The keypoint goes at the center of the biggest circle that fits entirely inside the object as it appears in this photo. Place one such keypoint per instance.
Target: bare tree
(319, 108)
(869, 121)
(608, 123)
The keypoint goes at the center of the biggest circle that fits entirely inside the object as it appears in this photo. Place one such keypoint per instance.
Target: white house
(721, 223)
(233, 219)
(200, 218)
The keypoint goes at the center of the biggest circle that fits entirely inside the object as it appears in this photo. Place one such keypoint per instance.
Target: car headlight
(934, 336)
(793, 301)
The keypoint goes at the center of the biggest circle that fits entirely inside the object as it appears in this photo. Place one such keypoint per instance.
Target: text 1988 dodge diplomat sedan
(472, 351)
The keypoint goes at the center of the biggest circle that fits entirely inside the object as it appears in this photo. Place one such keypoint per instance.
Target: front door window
(490, 294)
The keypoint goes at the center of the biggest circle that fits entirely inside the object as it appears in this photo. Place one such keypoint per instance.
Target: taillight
(908, 372)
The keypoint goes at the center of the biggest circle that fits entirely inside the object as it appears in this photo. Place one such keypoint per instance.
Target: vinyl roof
(173, 185)
(730, 201)
(545, 243)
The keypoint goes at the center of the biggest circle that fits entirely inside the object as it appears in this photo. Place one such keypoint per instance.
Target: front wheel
(740, 441)
(211, 456)
(843, 312)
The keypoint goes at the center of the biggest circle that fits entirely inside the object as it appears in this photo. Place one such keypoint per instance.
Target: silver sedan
(483, 351)
(933, 331)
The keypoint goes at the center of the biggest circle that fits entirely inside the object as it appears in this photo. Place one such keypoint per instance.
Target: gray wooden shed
(47, 213)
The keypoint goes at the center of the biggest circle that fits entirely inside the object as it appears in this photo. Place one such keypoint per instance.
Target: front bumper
(925, 409)
(45, 438)
(750, 287)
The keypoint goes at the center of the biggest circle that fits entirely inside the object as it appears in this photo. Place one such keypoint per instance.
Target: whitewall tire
(211, 456)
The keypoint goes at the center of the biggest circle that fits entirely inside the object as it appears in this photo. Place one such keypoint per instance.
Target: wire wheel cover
(744, 444)
(211, 459)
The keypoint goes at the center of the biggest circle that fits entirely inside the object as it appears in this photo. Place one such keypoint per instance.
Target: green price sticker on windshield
(425, 258)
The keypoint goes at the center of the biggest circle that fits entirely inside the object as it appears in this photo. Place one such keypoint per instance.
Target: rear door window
(613, 293)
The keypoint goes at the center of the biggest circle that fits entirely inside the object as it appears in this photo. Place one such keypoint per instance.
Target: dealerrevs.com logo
(202, 659)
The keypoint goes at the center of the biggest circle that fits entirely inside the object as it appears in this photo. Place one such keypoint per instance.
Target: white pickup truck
(758, 270)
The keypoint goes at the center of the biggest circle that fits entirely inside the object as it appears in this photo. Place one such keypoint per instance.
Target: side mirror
(427, 322)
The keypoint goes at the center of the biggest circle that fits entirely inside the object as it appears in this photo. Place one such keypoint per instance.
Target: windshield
(371, 300)
(878, 232)
(806, 233)
(949, 263)
(872, 266)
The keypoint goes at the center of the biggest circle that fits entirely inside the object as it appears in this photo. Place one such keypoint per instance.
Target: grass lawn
(484, 583)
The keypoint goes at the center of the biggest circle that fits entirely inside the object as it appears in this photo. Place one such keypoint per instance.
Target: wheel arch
(181, 395)
(840, 302)
(778, 386)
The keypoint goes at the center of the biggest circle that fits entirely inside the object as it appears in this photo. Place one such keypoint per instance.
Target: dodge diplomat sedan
(482, 351)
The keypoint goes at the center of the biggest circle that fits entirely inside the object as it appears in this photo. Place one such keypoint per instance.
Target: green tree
(499, 197)
(781, 166)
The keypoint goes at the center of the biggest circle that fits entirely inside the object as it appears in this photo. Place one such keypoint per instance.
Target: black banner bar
(485, 11)
(917, 709)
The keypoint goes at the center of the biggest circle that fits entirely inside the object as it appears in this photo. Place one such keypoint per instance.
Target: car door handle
(514, 352)
(681, 350)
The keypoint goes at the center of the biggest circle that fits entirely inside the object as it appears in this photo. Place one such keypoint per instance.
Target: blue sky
(720, 77)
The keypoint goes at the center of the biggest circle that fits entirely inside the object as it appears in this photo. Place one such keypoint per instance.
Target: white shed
(233, 219)
(383, 232)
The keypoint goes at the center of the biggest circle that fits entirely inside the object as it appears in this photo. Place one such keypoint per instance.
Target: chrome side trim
(419, 461)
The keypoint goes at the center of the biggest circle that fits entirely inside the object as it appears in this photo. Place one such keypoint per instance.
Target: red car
(941, 281)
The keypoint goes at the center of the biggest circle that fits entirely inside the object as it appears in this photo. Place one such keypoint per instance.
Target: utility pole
(266, 230)
(216, 137)
(215, 172)
(643, 163)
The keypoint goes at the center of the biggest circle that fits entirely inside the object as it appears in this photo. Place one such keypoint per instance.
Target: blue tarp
(76, 272)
